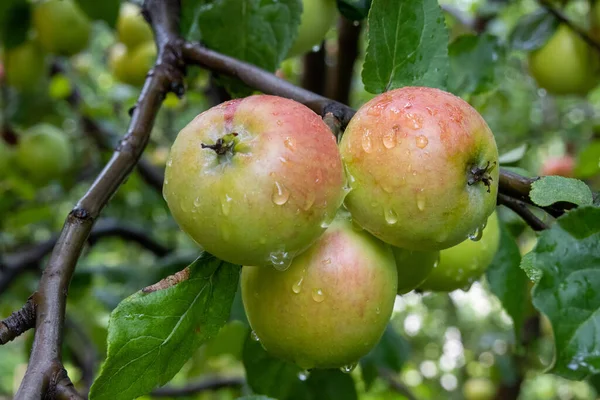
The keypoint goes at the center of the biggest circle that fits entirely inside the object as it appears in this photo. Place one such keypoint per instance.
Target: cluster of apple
(132, 57)
(329, 235)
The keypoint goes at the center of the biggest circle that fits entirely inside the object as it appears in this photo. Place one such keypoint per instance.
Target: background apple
(462, 264)
(331, 306)
(565, 64)
(413, 267)
(266, 189)
(131, 66)
(317, 18)
(413, 155)
(25, 66)
(61, 26)
(561, 166)
(44, 152)
(132, 28)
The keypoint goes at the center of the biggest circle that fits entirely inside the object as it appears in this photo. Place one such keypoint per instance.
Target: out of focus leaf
(391, 353)
(533, 30)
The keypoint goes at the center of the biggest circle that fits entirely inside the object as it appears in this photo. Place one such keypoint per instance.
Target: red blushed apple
(562, 166)
(331, 306)
(423, 168)
(255, 181)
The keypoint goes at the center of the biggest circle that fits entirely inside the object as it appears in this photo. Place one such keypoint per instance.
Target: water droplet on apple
(431, 111)
(348, 368)
(367, 145)
(476, 234)
(377, 311)
(390, 216)
(280, 194)
(415, 119)
(327, 261)
(318, 295)
(169, 162)
(303, 375)
(389, 139)
(281, 260)
(197, 202)
(297, 287)
(310, 200)
(225, 204)
(290, 143)
(318, 176)
(279, 122)
(254, 336)
(422, 141)
(420, 201)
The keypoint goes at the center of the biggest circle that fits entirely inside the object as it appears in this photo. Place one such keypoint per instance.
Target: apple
(413, 267)
(44, 152)
(25, 66)
(423, 168)
(479, 389)
(565, 64)
(61, 26)
(331, 306)
(132, 28)
(561, 166)
(131, 66)
(255, 181)
(317, 18)
(461, 265)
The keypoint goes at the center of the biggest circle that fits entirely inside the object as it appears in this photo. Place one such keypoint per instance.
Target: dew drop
(281, 260)
(377, 311)
(290, 143)
(280, 194)
(476, 235)
(318, 295)
(348, 368)
(431, 111)
(254, 336)
(327, 261)
(318, 176)
(279, 122)
(422, 141)
(225, 204)
(389, 139)
(390, 216)
(310, 200)
(421, 201)
(415, 119)
(197, 202)
(283, 160)
(297, 287)
(304, 375)
(367, 145)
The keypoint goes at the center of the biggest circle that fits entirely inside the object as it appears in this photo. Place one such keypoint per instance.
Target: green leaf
(151, 335)
(533, 30)
(105, 10)
(354, 10)
(190, 9)
(551, 189)
(15, 20)
(528, 265)
(508, 281)
(408, 45)
(513, 155)
(473, 62)
(588, 161)
(391, 353)
(568, 256)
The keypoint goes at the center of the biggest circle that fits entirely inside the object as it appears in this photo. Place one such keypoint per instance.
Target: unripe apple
(131, 65)
(461, 265)
(317, 18)
(561, 166)
(331, 306)
(25, 66)
(44, 152)
(423, 168)
(479, 389)
(256, 180)
(132, 28)
(565, 64)
(61, 26)
(413, 267)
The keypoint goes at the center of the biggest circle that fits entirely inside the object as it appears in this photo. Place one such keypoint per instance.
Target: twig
(340, 84)
(18, 322)
(167, 74)
(314, 71)
(198, 387)
(521, 209)
(562, 18)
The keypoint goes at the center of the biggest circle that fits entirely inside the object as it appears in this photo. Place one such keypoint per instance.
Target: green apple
(423, 168)
(461, 265)
(413, 267)
(132, 28)
(317, 18)
(565, 64)
(44, 152)
(256, 180)
(25, 66)
(131, 65)
(331, 306)
(479, 389)
(61, 26)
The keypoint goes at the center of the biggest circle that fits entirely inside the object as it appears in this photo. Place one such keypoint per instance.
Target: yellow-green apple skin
(565, 64)
(461, 265)
(24, 66)
(132, 28)
(479, 389)
(44, 152)
(62, 28)
(317, 18)
(410, 154)
(268, 197)
(331, 306)
(131, 66)
(413, 267)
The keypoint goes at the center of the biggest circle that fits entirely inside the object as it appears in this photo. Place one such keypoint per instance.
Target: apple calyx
(223, 145)
(481, 174)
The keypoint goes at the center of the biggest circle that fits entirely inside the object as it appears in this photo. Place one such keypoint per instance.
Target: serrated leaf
(354, 10)
(588, 161)
(105, 10)
(408, 46)
(552, 189)
(473, 61)
(533, 30)
(391, 353)
(152, 335)
(513, 155)
(568, 256)
(15, 20)
(508, 281)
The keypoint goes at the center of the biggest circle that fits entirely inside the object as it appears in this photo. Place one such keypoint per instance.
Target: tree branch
(166, 75)
(198, 387)
(18, 322)
(521, 209)
(341, 83)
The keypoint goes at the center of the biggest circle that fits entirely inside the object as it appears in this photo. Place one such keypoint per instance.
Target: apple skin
(479, 389)
(25, 66)
(565, 64)
(561, 166)
(61, 26)
(331, 306)
(461, 265)
(413, 267)
(44, 152)
(317, 18)
(131, 66)
(268, 201)
(409, 153)
(132, 28)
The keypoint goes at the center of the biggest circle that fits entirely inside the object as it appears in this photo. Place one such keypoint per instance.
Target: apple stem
(223, 145)
(479, 174)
